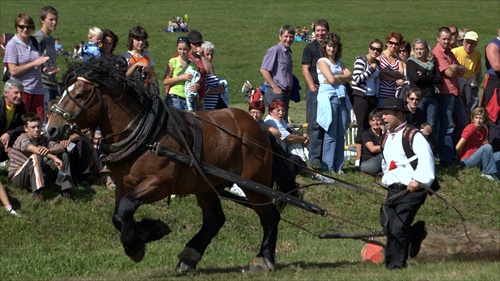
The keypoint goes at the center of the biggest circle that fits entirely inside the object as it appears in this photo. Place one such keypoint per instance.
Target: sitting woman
(472, 147)
(371, 158)
(292, 142)
(415, 115)
(257, 110)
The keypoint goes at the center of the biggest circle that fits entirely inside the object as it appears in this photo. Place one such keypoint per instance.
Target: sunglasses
(25, 26)
(182, 39)
(393, 43)
(375, 49)
(403, 50)
(414, 99)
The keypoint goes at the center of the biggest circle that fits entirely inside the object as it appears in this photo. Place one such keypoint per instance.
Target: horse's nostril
(52, 132)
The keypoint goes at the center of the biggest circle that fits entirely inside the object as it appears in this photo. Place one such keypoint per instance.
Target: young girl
(473, 149)
(216, 94)
(177, 74)
(371, 159)
(333, 102)
(141, 65)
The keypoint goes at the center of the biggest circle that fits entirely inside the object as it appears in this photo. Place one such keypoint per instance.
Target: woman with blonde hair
(423, 74)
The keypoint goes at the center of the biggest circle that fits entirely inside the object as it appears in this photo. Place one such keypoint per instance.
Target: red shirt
(445, 58)
(475, 138)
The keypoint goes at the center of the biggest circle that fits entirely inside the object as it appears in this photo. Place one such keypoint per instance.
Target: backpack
(5, 38)
(408, 134)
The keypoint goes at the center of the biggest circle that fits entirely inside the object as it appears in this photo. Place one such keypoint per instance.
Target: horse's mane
(110, 72)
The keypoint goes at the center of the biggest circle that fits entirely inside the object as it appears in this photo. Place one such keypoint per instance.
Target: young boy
(35, 159)
(93, 48)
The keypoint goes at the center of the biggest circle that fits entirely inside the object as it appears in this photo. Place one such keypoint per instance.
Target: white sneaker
(489, 177)
(356, 163)
(324, 179)
(236, 190)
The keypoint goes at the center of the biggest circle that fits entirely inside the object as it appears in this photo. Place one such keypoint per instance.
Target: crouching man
(34, 159)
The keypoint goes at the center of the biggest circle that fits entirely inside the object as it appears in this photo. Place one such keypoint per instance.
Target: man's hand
(412, 186)
(64, 143)
(58, 163)
(5, 138)
(43, 151)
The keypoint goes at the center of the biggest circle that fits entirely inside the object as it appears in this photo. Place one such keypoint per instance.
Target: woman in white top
(333, 102)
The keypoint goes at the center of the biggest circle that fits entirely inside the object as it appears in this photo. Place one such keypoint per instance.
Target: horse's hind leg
(213, 220)
(135, 235)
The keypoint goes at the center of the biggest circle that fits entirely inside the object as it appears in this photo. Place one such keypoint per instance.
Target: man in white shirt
(405, 184)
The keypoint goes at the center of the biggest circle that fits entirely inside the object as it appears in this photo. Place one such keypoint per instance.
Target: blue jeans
(459, 118)
(496, 156)
(445, 148)
(333, 142)
(429, 107)
(483, 157)
(316, 133)
(176, 102)
(269, 96)
(475, 102)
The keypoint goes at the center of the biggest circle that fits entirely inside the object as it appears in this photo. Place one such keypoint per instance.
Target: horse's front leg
(135, 235)
(213, 220)
(269, 219)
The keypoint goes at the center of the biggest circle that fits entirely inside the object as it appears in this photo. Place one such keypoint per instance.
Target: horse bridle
(68, 116)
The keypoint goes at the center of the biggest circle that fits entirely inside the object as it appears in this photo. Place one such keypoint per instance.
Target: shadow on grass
(279, 267)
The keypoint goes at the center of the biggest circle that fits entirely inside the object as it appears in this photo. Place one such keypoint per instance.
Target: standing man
(470, 59)
(11, 110)
(405, 184)
(491, 96)
(276, 69)
(451, 111)
(34, 158)
(196, 40)
(48, 19)
(310, 57)
(454, 36)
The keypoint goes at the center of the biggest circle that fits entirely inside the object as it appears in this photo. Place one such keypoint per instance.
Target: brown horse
(131, 120)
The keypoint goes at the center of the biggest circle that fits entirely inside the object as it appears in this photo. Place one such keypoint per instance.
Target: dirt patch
(453, 244)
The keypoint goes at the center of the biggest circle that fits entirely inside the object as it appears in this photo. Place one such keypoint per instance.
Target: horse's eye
(78, 96)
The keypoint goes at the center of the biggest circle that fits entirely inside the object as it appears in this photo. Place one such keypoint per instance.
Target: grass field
(76, 241)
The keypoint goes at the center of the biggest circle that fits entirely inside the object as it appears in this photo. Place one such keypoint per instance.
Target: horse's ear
(68, 64)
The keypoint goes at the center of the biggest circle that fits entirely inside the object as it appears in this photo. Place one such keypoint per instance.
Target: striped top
(20, 152)
(18, 53)
(211, 100)
(388, 88)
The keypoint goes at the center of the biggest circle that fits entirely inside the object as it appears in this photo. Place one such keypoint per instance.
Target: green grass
(76, 241)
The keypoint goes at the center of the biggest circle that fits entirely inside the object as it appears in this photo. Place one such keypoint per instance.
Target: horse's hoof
(136, 254)
(259, 264)
(183, 267)
(188, 259)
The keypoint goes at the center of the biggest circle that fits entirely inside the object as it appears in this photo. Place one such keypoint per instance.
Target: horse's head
(80, 107)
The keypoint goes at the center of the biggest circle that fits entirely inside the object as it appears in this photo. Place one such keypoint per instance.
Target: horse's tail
(283, 174)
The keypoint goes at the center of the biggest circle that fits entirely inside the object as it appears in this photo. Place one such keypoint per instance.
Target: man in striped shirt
(34, 157)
